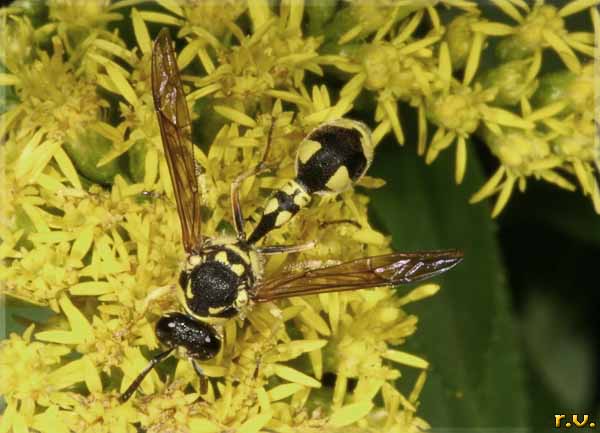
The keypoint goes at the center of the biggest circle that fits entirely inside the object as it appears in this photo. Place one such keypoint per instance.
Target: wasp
(221, 276)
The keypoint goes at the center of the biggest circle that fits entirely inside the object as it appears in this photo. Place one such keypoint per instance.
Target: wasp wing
(377, 271)
(175, 129)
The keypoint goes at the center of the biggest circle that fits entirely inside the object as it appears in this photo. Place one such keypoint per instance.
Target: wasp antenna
(324, 224)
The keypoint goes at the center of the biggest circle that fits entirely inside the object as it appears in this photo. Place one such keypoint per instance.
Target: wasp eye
(199, 339)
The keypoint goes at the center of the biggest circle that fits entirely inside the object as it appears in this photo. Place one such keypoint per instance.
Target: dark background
(513, 334)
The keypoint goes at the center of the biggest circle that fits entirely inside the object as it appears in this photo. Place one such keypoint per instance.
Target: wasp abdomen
(334, 156)
(330, 160)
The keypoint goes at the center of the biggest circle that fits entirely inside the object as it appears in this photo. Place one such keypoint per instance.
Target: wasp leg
(257, 368)
(138, 380)
(238, 215)
(155, 294)
(201, 376)
(335, 222)
(277, 249)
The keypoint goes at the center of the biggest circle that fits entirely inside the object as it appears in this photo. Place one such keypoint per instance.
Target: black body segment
(340, 149)
(212, 286)
(199, 339)
(332, 158)
(280, 208)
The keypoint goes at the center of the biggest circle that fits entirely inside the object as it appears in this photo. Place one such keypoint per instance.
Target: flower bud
(578, 90)
(455, 112)
(517, 149)
(530, 35)
(381, 63)
(86, 148)
(511, 81)
(459, 37)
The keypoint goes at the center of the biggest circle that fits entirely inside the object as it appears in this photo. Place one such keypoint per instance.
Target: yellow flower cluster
(508, 107)
(90, 229)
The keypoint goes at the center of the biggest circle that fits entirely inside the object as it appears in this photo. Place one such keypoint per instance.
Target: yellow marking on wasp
(290, 188)
(215, 310)
(206, 319)
(301, 199)
(340, 180)
(307, 149)
(282, 218)
(238, 269)
(242, 299)
(181, 296)
(188, 291)
(193, 261)
(222, 257)
(366, 142)
(242, 254)
(272, 206)
(256, 263)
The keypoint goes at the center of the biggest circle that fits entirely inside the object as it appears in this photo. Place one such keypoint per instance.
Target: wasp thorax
(199, 339)
(334, 156)
(213, 285)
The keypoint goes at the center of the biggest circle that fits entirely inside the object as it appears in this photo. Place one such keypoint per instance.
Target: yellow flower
(19, 38)
(395, 70)
(458, 110)
(560, 147)
(91, 230)
(544, 27)
(544, 155)
(212, 19)
(274, 56)
(107, 260)
(31, 375)
(75, 20)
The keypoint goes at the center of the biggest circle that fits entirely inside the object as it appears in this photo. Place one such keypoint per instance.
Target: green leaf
(17, 315)
(467, 330)
(319, 14)
(85, 149)
(574, 217)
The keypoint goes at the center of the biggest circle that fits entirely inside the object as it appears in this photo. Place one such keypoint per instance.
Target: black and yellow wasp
(223, 275)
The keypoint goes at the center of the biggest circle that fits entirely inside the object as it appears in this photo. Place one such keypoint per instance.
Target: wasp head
(199, 339)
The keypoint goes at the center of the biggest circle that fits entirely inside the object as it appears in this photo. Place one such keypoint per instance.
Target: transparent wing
(377, 271)
(175, 128)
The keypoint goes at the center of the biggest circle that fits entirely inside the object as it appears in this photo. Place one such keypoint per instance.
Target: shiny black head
(198, 338)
